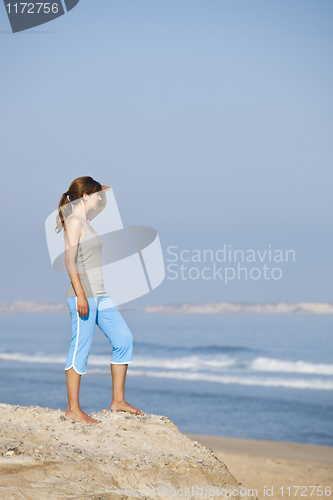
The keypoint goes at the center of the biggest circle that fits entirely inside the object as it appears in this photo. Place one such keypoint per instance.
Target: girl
(87, 299)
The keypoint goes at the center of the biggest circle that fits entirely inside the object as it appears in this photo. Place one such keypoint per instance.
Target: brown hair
(76, 190)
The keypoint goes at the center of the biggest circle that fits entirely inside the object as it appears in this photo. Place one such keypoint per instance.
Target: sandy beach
(273, 466)
(43, 454)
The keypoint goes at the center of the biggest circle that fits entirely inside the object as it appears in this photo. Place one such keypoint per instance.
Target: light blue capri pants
(105, 314)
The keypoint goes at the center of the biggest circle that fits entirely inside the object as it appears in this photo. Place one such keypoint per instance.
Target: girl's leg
(83, 329)
(118, 373)
(74, 411)
(114, 327)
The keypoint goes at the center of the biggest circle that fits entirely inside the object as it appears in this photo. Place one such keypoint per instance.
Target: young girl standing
(87, 299)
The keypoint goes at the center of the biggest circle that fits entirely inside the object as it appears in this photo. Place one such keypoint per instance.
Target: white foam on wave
(317, 384)
(222, 362)
(278, 365)
(194, 363)
(95, 360)
(185, 363)
(187, 368)
(29, 358)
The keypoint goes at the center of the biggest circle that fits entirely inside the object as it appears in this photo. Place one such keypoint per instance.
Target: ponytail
(64, 209)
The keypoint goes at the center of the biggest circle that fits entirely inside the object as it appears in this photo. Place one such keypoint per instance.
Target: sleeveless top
(88, 263)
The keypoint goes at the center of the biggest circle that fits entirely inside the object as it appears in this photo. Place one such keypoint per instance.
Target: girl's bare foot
(79, 416)
(123, 406)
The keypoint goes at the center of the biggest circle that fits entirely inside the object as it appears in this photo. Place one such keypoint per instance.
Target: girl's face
(94, 200)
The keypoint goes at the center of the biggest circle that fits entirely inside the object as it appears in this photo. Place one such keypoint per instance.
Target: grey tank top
(88, 263)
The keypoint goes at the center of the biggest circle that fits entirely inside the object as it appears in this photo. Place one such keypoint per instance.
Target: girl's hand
(106, 188)
(82, 305)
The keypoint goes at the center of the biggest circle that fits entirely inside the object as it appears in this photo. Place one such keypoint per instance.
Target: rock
(144, 456)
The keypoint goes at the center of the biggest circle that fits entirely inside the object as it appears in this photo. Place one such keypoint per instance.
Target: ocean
(247, 376)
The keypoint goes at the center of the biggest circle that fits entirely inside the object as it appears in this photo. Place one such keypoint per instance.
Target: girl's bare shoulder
(72, 224)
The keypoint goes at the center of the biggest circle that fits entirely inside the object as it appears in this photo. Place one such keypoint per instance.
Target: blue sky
(211, 120)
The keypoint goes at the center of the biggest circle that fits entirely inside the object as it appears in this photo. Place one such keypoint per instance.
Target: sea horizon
(222, 307)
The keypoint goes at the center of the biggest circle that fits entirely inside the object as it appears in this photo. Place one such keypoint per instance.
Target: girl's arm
(72, 236)
(102, 204)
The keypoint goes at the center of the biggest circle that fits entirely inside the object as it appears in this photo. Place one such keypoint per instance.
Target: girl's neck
(80, 214)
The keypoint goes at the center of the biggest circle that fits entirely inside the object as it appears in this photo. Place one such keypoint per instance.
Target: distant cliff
(244, 308)
(22, 306)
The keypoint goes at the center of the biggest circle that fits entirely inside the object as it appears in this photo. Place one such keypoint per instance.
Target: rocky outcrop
(44, 455)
